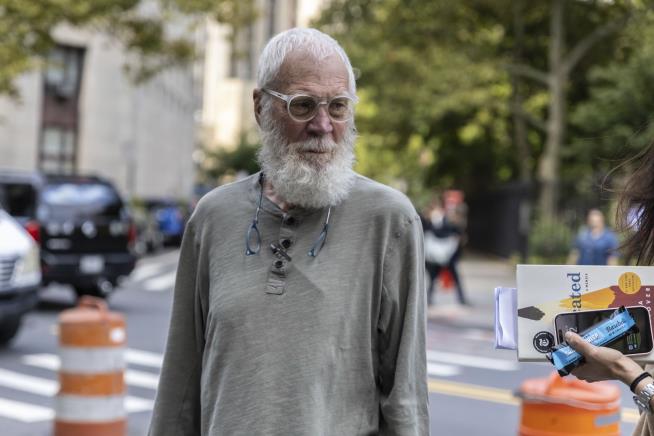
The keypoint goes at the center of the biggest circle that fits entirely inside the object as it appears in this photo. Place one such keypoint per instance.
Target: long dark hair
(636, 209)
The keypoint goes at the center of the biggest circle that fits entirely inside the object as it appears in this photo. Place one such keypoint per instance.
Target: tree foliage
(615, 121)
(439, 78)
(222, 164)
(26, 29)
(425, 102)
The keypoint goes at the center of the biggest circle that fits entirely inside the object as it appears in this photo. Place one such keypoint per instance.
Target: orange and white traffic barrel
(556, 406)
(91, 376)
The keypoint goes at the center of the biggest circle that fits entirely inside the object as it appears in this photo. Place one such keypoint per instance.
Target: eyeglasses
(302, 107)
(253, 237)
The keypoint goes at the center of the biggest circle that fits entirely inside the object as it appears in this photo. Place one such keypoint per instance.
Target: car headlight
(27, 271)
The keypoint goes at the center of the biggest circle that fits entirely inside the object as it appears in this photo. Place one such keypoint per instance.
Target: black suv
(82, 225)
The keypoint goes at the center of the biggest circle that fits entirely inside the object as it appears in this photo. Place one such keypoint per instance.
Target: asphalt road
(471, 384)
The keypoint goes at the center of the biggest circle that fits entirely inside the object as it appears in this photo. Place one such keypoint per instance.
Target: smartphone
(633, 343)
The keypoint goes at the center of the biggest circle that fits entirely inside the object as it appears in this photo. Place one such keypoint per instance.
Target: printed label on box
(547, 290)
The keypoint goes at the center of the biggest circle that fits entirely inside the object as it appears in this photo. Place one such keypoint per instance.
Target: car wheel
(8, 329)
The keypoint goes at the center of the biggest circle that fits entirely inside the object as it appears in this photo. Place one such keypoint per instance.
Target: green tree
(224, 163)
(26, 29)
(610, 18)
(432, 99)
(615, 122)
(473, 92)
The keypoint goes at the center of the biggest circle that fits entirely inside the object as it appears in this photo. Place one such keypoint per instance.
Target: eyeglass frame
(326, 101)
(253, 230)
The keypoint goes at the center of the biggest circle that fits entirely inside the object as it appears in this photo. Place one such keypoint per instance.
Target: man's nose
(321, 124)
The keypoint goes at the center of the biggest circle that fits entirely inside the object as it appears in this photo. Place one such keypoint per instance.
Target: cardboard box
(547, 290)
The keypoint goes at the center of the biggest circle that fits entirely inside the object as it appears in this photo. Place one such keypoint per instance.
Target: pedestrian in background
(442, 248)
(595, 244)
(603, 363)
(299, 300)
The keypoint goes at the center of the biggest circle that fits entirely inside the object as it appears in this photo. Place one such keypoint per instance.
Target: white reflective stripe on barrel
(76, 408)
(92, 360)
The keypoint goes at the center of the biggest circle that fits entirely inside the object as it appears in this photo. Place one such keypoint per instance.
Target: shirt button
(286, 243)
(279, 264)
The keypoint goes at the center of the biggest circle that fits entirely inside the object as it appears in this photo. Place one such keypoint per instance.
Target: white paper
(506, 318)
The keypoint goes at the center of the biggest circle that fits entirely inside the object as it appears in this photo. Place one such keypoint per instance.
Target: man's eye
(339, 106)
(302, 105)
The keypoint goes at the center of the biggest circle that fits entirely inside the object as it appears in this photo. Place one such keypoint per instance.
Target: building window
(57, 151)
(62, 78)
(63, 70)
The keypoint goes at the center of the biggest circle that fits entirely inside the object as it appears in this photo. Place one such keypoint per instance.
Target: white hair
(318, 44)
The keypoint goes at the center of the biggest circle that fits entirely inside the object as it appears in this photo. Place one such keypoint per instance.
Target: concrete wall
(20, 121)
(141, 137)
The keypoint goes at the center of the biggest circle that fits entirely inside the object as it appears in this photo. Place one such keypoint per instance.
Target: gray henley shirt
(326, 345)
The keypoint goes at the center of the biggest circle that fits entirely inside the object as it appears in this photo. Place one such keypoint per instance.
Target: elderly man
(298, 305)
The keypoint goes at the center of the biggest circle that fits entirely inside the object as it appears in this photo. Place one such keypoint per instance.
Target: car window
(18, 199)
(70, 200)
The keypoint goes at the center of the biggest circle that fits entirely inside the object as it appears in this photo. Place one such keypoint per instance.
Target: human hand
(602, 363)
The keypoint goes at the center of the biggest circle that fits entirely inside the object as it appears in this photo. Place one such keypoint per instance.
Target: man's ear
(256, 99)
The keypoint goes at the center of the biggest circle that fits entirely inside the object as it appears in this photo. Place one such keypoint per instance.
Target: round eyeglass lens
(302, 107)
(340, 108)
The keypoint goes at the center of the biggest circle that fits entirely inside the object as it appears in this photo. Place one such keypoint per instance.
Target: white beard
(303, 179)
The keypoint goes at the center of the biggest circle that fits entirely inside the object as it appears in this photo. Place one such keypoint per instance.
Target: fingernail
(568, 336)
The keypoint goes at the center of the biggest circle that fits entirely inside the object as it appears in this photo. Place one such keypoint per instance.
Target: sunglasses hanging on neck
(253, 236)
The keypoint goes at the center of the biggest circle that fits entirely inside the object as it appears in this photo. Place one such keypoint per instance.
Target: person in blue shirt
(595, 244)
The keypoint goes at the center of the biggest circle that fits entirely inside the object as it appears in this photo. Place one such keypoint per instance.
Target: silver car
(20, 275)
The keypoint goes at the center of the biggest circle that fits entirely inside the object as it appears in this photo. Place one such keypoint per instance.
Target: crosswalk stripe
(471, 361)
(141, 379)
(49, 388)
(28, 383)
(46, 361)
(145, 272)
(132, 377)
(145, 358)
(136, 404)
(438, 370)
(24, 412)
(160, 283)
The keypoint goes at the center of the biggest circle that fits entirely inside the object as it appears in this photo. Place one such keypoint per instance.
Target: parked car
(20, 275)
(81, 223)
(170, 218)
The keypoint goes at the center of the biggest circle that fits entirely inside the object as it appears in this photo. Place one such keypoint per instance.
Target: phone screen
(633, 343)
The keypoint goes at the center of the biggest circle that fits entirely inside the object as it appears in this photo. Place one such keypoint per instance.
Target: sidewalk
(480, 275)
